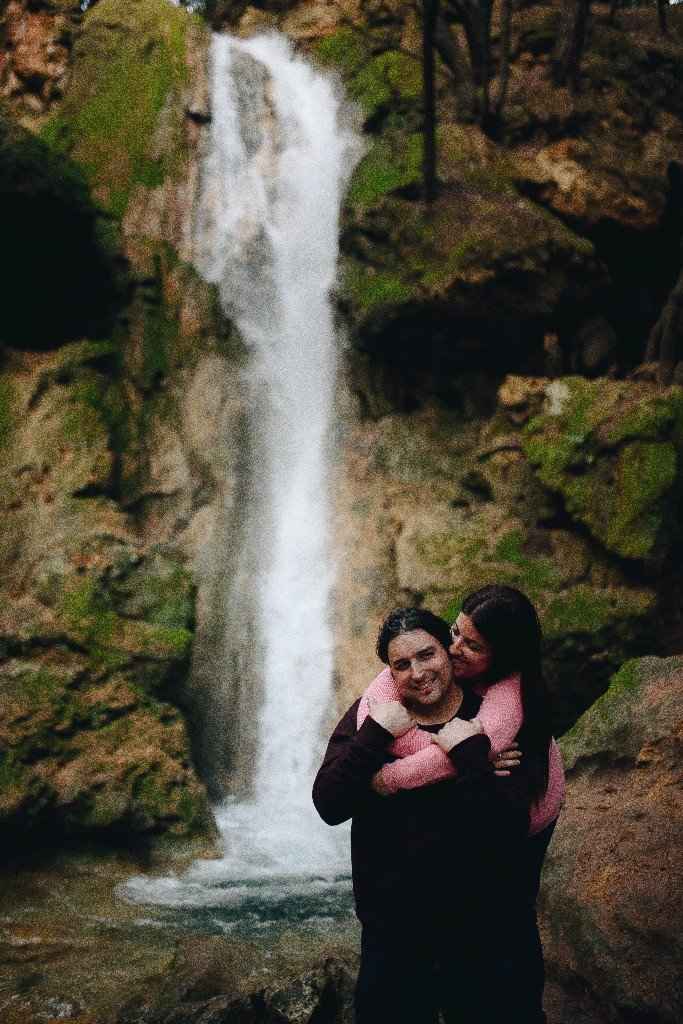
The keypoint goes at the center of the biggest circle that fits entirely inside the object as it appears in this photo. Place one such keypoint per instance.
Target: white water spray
(267, 236)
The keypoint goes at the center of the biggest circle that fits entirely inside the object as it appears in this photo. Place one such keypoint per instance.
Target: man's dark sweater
(423, 855)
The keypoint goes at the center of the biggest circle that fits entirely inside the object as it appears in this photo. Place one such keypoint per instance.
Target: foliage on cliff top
(128, 60)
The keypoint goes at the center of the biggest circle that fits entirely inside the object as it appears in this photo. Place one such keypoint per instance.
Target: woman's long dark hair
(509, 623)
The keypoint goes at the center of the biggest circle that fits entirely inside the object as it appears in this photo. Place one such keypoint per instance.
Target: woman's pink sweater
(422, 761)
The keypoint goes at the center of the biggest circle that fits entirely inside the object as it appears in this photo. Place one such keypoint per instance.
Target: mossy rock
(386, 85)
(114, 641)
(613, 450)
(129, 69)
(618, 726)
(511, 260)
(87, 756)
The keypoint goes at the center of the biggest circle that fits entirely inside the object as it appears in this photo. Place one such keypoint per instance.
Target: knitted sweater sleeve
(501, 712)
(500, 716)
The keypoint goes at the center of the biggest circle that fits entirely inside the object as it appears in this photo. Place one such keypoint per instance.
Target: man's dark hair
(405, 620)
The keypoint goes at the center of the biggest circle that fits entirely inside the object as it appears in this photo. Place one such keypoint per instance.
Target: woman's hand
(455, 732)
(391, 715)
(379, 786)
(506, 760)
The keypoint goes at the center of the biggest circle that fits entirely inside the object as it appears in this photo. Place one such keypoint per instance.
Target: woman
(496, 649)
(435, 867)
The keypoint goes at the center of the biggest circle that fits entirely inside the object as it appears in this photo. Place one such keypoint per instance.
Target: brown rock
(611, 895)
(37, 48)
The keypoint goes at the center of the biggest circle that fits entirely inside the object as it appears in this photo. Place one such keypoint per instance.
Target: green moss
(645, 474)
(371, 290)
(163, 598)
(386, 82)
(113, 641)
(535, 573)
(11, 771)
(130, 57)
(653, 419)
(90, 618)
(346, 50)
(470, 250)
(160, 336)
(40, 686)
(389, 78)
(584, 609)
(392, 163)
(83, 424)
(173, 642)
(7, 413)
(605, 725)
(150, 795)
(622, 491)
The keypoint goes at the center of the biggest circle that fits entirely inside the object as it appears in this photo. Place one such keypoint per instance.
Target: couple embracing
(450, 824)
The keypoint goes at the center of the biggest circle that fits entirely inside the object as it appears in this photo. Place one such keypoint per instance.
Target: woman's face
(470, 653)
(421, 668)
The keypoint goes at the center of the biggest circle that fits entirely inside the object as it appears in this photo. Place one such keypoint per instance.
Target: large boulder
(611, 898)
(613, 451)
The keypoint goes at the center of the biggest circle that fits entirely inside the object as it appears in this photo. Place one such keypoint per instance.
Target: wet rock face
(34, 62)
(611, 895)
(208, 987)
(612, 451)
(108, 473)
(95, 627)
(432, 506)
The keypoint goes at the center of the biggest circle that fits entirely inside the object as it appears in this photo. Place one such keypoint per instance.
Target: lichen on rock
(610, 897)
(612, 450)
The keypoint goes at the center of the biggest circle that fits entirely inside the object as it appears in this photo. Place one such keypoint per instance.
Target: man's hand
(455, 731)
(506, 760)
(391, 715)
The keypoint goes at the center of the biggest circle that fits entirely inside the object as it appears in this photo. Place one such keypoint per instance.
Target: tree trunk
(448, 48)
(666, 337)
(570, 44)
(504, 70)
(662, 12)
(475, 17)
(430, 11)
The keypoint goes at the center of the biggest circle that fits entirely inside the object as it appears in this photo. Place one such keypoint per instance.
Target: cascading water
(267, 236)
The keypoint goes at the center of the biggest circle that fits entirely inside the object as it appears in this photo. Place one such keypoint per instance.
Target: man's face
(421, 669)
(470, 653)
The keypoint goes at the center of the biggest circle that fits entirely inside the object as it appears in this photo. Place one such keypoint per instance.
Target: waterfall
(267, 228)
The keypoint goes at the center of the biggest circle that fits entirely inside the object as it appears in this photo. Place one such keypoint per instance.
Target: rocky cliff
(494, 424)
(107, 482)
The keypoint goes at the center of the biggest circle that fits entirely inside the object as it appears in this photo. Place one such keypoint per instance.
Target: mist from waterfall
(267, 235)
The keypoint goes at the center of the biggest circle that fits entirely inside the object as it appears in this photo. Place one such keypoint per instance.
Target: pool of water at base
(242, 908)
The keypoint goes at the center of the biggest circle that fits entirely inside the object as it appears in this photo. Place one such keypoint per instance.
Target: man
(434, 867)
